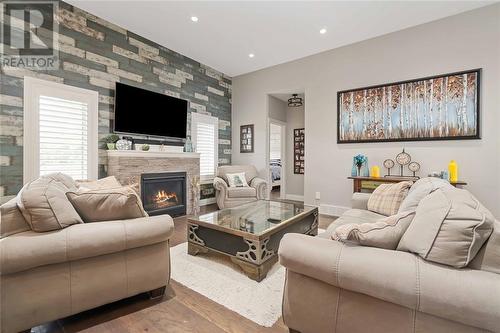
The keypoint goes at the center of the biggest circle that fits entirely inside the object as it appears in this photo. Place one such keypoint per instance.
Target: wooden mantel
(140, 153)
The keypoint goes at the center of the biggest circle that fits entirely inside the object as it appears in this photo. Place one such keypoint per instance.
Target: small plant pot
(111, 146)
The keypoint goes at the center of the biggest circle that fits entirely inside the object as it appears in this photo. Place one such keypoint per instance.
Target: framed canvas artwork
(246, 138)
(443, 107)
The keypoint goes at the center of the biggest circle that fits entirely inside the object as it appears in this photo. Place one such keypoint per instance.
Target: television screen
(140, 111)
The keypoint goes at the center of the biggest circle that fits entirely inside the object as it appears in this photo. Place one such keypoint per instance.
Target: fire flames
(163, 198)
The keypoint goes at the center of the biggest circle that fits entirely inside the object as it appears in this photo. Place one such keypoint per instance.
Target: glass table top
(256, 217)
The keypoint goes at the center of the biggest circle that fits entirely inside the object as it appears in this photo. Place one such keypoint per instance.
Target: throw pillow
(384, 233)
(107, 204)
(44, 205)
(387, 198)
(420, 190)
(449, 228)
(100, 184)
(237, 179)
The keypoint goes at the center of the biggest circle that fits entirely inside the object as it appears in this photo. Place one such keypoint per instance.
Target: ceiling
(274, 31)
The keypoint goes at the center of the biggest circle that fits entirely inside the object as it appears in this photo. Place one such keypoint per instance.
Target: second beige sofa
(340, 287)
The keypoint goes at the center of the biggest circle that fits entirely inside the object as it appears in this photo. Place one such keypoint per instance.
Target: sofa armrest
(221, 187)
(31, 249)
(260, 186)
(360, 200)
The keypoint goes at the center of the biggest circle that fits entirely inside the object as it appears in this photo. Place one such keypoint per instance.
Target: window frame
(207, 119)
(33, 89)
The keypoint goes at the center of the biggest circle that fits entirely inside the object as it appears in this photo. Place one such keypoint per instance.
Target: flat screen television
(143, 112)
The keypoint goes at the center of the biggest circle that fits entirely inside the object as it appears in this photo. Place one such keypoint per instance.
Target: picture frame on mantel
(247, 135)
(441, 107)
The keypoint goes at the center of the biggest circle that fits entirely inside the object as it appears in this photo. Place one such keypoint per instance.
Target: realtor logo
(29, 35)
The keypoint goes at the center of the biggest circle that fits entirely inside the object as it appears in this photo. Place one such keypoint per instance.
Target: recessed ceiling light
(194, 18)
(251, 55)
(322, 31)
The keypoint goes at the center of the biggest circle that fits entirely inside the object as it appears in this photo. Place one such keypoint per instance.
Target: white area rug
(217, 278)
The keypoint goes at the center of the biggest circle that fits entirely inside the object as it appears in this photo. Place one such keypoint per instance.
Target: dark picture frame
(298, 151)
(247, 136)
(408, 103)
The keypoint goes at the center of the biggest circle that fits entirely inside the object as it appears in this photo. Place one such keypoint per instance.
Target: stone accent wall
(128, 170)
(94, 54)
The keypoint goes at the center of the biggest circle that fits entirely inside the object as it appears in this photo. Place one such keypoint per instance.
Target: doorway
(277, 151)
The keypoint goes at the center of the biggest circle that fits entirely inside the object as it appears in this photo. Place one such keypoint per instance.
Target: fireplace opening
(164, 193)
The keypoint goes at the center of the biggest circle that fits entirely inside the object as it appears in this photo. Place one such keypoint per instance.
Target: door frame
(282, 124)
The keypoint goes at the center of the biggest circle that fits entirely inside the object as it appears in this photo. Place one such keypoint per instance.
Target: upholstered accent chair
(49, 275)
(233, 196)
(344, 287)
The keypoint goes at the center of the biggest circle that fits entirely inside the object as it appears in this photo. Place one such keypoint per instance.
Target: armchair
(233, 196)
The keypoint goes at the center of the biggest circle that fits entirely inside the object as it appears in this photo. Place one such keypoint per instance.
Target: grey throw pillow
(384, 233)
(449, 227)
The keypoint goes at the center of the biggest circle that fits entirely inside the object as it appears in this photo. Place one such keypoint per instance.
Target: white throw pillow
(237, 179)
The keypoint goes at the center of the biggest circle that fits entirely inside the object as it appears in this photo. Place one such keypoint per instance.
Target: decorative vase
(123, 144)
(366, 169)
(354, 169)
(188, 146)
(111, 146)
(359, 170)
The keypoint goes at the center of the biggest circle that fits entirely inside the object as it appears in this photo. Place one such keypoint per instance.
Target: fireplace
(164, 193)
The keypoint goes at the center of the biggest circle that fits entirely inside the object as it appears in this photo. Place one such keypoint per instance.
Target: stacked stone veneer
(94, 54)
(128, 170)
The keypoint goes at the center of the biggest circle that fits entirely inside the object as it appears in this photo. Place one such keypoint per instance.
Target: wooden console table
(371, 183)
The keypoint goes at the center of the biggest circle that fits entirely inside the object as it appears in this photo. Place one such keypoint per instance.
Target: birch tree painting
(437, 108)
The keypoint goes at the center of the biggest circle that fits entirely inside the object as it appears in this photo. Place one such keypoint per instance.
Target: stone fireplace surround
(128, 165)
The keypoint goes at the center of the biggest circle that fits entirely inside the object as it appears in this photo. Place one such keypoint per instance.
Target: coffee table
(250, 234)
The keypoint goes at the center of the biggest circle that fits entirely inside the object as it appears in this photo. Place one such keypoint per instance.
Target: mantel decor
(442, 107)
(246, 138)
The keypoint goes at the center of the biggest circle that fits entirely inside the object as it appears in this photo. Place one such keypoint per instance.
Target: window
(60, 130)
(204, 134)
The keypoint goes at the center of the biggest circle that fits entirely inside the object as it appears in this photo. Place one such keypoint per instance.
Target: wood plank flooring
(180, 310)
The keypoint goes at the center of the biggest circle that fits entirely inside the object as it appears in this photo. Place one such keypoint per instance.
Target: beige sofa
(49, 275)
(340, 287)
(233, 196)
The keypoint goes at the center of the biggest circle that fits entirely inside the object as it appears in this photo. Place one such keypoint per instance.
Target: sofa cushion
(488, 258)
(44, 205)
(419, 190)
(241, 192)
(249, 170)
(29, 249)
(449, 227)
(384, 233)
(107, 204)
(11, 219)
(236, 179)
(63, 178)
(100, 184)
(387, 198)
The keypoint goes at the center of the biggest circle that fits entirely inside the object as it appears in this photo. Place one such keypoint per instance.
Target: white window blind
(204, 133)
(275, 142)
(60, 128)
(63, 137)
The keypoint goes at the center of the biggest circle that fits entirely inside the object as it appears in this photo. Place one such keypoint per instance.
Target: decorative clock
(403, 158)
(388, 164)
(414, 167)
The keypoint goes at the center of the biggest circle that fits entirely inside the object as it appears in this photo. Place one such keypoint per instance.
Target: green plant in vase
(145, 147)
(111, 140)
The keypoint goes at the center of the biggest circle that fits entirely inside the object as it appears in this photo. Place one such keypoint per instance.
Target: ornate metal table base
(255, 254)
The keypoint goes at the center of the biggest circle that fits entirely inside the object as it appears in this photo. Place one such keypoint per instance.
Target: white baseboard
(208, 201)
(294, 197)
(332, 210)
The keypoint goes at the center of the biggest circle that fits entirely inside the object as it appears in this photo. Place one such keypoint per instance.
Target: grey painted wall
(466, 41)
(94, 55)
(277, 109)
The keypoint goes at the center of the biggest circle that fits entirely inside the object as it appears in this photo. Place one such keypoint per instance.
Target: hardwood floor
(180, 310)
